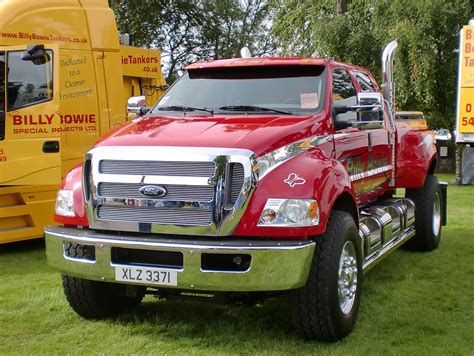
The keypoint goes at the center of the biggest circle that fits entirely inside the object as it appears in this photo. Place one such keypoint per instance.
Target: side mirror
(372, 99)
(369, 110)
(36, 54)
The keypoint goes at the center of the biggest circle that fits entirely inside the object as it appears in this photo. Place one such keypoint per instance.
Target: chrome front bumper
(275, 265)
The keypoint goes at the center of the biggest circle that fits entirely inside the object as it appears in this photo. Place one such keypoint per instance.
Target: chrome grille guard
(223, 216)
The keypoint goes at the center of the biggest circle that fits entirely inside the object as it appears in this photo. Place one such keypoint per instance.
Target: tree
(341, 7)
(236, 24)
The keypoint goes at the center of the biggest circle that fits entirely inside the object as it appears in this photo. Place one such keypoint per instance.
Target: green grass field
(412, 303)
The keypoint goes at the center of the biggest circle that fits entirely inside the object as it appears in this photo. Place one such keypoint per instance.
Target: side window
(344, 96)
(364, 81)
(29, 82)
(342, 86)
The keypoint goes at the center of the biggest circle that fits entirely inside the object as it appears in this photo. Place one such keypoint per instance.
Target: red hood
(258, 133)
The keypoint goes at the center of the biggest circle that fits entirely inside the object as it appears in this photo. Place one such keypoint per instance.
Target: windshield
(283, 89)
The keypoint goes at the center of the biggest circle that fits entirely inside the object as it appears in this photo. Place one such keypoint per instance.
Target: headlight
(296, 210)
(64, 203)
(290, 213)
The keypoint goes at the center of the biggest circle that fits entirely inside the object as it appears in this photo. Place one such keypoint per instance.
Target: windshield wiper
(252, 108)
(183, 108)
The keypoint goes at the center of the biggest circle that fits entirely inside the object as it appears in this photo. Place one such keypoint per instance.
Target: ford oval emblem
(152, 191)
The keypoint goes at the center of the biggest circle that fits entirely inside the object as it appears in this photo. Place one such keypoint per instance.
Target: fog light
(237, 260)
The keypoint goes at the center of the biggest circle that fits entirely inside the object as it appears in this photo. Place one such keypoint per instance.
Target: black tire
(316, 310)
(428, 206)
(79, 251)
(96, 300)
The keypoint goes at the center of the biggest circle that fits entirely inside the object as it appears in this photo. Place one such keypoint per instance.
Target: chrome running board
(384, 226)
(374, 259)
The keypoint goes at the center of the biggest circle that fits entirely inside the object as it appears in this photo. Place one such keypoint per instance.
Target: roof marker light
(245, 53)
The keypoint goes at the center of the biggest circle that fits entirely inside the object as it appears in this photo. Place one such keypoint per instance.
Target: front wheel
(326, 307)
(96, 300)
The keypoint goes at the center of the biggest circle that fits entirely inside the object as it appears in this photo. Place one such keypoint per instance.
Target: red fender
(416, 154)
(325, 180)
(73, 181)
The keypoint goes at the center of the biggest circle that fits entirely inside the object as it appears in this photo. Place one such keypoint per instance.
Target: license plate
(158, 276)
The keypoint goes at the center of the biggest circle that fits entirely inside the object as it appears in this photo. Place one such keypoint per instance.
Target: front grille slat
(158, 168)
(174, 192)
(237, 181)
(192, 217)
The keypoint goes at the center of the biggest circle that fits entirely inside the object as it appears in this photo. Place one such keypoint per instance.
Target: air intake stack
(388, 84)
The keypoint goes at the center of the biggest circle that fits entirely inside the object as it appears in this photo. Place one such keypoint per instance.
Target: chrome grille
(174, 192)
(158, 168)
(208, 189)
(236, 181)
(192, 217)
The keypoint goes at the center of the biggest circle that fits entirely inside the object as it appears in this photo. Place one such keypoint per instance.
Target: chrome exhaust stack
(388, 84)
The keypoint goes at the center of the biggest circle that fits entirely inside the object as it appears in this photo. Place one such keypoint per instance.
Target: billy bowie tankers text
(48, 123)
(42, 37)
(150, 62)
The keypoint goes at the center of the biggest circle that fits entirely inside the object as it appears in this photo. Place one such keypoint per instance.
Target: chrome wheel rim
(437, 214)
(347, 277)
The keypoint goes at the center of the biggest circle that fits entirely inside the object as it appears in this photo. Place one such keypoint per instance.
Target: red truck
(250, 178)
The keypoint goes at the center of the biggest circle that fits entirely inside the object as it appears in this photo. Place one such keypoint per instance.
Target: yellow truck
(64, 81)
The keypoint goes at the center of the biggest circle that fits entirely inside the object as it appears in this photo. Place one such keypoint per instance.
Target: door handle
(51, 147)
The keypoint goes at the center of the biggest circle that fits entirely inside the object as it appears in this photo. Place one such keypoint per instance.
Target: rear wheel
(95, 300)
(428, 212)
(326, 307)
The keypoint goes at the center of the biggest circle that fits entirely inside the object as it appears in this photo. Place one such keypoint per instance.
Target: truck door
(366, 153)
(351, 143)
(379, 164)
(30, 124)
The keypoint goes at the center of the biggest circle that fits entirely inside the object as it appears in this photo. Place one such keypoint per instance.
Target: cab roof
(271, 61)
(257, 62)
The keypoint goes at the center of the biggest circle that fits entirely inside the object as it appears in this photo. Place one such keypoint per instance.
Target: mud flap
(444, 202)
